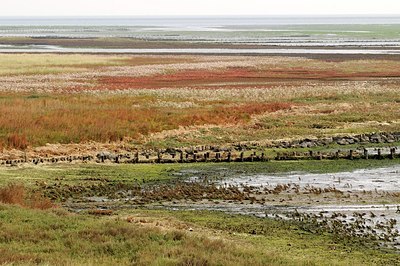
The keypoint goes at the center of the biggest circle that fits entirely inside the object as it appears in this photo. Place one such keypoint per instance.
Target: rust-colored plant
(13, 194)
(17, 141)
(17, 194)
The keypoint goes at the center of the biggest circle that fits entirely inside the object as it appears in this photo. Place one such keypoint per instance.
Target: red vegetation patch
(230, 115)
(179, 79)
(17, 142)
(191, 78)
(16, 194)
(112, 118)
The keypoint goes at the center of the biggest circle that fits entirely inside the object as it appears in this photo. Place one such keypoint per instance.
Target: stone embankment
(241, 152)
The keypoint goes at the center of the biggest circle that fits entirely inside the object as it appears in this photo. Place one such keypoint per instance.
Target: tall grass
(66, 119)
(17, 141)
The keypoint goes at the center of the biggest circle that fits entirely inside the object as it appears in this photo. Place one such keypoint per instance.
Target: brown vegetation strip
(69, 119)
(194, 78)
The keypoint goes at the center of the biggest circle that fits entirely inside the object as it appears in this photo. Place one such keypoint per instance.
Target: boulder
(106, 155)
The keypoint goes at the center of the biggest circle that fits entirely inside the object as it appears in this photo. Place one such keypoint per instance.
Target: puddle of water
(381, 179)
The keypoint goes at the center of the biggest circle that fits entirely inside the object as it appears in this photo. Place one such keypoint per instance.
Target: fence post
(365, 154)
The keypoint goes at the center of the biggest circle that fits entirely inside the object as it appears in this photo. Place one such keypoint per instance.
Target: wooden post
(351, 155)
(229, 157)
(379, 154)
(195, 157)
(365, 154)
(392, 151)
(159, 157)
(311, 154)
(337, 154)
(241, 156)
(181, 157)
(262, 157)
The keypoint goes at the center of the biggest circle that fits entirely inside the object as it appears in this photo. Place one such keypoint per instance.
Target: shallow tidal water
(222, 51)
(381, 179)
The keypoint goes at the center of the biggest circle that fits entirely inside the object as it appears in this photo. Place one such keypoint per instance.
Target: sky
(194, 7)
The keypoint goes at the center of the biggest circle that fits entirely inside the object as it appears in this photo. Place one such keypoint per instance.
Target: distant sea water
(371, 33)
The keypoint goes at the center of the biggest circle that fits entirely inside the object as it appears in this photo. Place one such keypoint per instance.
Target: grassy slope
(163, 238)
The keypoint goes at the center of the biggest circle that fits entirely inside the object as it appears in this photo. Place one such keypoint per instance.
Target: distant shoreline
(224, 20)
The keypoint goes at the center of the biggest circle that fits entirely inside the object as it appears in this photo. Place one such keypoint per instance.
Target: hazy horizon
(198, 20)
(193, 8)
(204, 16)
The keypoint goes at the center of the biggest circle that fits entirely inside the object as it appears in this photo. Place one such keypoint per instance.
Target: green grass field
(140, 237)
